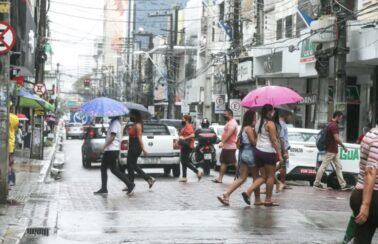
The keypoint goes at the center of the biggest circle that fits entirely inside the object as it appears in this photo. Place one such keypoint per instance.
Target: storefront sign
(307, 51)
(309, 99)
(352, 94)
(245, 71)
(220, 103)
(4, 8)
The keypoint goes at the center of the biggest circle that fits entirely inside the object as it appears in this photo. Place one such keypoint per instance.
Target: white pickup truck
(304, 158)
(160, 145)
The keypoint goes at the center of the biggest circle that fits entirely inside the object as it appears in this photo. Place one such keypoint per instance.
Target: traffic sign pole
(4, 119)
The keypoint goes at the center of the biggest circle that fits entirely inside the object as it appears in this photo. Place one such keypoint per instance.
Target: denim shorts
(247, 155)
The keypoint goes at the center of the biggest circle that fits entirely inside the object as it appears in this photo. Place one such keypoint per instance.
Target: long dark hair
(137, 115)
(276, 120)
(248, 118)
(264, 114)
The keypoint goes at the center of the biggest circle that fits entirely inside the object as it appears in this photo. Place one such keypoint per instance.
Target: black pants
(132, 166)
(185, 162)
(364, 233)
(109, 160)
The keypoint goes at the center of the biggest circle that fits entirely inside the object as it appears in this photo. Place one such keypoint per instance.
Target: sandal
(216, 181)
(259, 203)
(224, 201)
(246, 198)
(271, 204)
(286, 187)
(183, 180)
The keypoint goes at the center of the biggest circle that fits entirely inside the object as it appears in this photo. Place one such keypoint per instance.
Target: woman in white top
(267, 154)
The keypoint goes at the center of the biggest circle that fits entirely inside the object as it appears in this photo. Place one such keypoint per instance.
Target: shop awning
(29, 100)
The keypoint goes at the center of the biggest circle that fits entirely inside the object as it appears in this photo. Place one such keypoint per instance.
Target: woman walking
(248, 140)
(364, 198)
(136, 147)
(267, 154)
(186, 141)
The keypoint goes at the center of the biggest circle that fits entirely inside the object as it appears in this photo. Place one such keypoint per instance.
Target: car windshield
(302, 136)
(74, 125)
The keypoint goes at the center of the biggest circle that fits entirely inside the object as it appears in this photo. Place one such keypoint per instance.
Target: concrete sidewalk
(30, 175)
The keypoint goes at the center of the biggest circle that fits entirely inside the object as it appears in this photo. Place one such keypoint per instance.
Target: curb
(47, 167)
(15, 233)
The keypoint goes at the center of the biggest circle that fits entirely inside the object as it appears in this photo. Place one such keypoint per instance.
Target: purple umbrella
(104, 107)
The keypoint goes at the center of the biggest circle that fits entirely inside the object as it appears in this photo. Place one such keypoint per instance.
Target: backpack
(322, 139)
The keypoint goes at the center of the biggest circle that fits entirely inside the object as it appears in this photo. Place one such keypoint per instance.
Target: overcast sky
(73, 38)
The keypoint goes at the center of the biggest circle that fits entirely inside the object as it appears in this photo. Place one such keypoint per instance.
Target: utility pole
(323, 56)
(4, 119)
(37, 145)
(170, 60)
(340, 102)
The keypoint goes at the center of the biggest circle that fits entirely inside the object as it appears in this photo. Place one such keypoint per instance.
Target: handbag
(184, 143)
(239, 140)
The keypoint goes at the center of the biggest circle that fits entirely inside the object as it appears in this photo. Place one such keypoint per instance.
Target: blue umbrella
(142, 109)
(104, 107)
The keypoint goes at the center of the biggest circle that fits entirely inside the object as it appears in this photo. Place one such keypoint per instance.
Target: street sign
(7, 37)
(220, 103)
(80, 117)
(39, 89)
(71, 104)
(4, 7)
(236, 108)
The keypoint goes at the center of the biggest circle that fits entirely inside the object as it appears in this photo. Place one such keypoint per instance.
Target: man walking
(109, 160)
(284, 136)
(332, 150)
(228, 144)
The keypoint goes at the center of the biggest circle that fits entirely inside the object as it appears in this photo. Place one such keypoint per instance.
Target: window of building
(279, 29)
(221, 11)
(289, 26)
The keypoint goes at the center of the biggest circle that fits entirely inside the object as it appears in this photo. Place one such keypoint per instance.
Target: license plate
(207, 156)
(151, 161)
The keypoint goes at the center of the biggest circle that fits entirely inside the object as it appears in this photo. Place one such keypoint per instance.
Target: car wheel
(86, 162)
(167, 171)
(176, 170)
(334, 183)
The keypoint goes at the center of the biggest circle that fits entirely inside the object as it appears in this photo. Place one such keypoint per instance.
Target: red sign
(7, 37)
(19, 80)
(39, 89)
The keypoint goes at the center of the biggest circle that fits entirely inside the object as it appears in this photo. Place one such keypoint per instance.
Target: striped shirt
(369, 157)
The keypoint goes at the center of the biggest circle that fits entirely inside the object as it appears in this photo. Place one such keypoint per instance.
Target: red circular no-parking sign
(7, 37)
(39, 89)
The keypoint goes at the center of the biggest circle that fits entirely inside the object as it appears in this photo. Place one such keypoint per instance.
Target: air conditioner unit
(324, 28)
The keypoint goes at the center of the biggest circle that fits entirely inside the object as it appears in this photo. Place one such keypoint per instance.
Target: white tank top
(263, 139)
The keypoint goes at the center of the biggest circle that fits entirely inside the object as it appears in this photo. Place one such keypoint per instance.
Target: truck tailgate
(161, 145)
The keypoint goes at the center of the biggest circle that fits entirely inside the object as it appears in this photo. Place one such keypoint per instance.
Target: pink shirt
(231, 125)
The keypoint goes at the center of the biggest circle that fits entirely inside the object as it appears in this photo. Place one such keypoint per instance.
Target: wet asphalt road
(173, 212)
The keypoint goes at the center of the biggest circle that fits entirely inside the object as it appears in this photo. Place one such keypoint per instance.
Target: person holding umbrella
(267, 154)
(106, 107)
(109, 160)
(136, 147)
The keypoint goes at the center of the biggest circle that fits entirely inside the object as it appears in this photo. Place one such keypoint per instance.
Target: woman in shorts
(266, 156)
(246, 158)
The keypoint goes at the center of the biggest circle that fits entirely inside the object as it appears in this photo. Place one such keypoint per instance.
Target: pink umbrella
(274, 95)
(22, 117)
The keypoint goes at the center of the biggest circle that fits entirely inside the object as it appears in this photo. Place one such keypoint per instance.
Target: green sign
(352, 94)
(307, 51)
(352, 154)
(71, 104)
